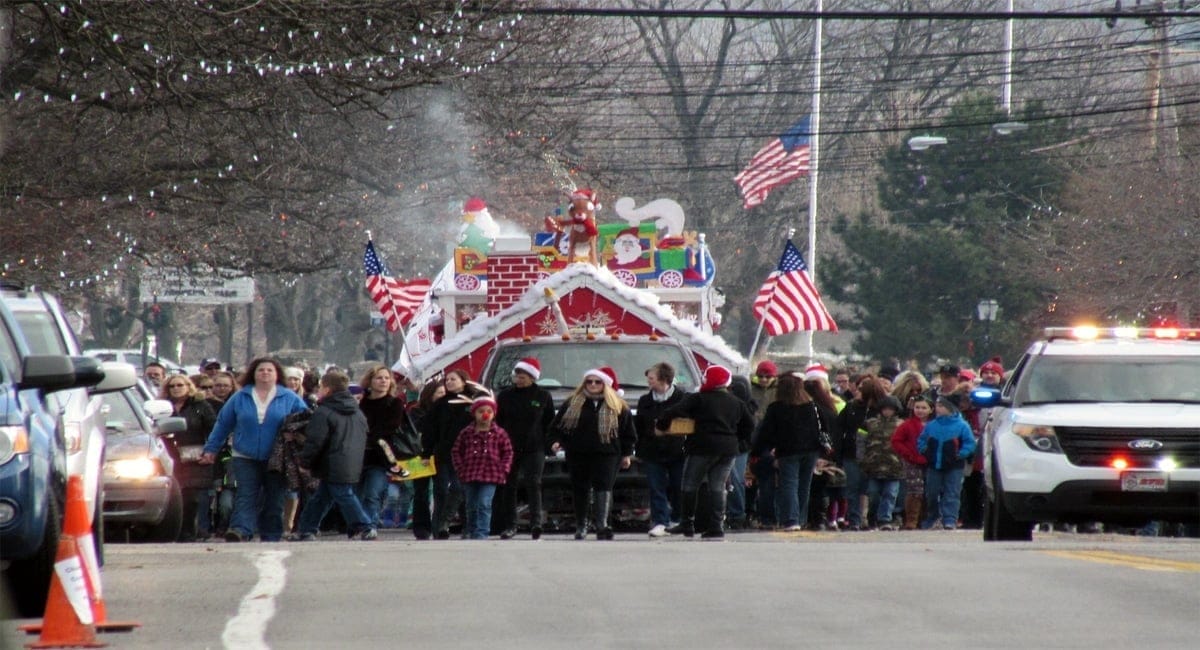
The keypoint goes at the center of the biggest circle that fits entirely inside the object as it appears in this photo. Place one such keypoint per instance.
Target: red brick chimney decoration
(510, 274)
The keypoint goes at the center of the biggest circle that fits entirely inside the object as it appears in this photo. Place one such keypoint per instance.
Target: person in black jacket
(422, 517)
(439, 429)
(724, 425)
(387, 421)
(526, 412)
(333, 451)
(195, 480)
(595, 427)
(661, 455)
(793, 431)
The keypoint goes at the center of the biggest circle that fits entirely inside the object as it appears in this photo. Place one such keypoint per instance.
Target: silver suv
(1094, 425)
(80, 420)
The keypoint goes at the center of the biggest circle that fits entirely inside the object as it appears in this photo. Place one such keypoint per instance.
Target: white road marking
(247, 630)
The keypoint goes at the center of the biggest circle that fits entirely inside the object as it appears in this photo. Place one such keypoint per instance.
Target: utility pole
(1164, 137)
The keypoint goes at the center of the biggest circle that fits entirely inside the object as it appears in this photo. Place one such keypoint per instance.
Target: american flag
(788, 301)
(781, 161)
(397, 300)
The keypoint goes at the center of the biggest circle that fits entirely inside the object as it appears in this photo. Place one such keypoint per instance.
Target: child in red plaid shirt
(482, 456)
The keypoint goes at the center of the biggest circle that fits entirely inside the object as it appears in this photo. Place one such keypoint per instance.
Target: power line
(764, 14)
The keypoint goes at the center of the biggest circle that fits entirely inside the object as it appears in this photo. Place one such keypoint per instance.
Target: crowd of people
(792, 450)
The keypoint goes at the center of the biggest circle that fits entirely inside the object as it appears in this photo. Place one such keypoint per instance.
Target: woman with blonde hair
(909, 385)
(195, 480)
(386, 421)
(595, 428)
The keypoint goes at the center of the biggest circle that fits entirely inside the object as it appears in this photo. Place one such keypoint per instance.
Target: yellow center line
(1132, 561)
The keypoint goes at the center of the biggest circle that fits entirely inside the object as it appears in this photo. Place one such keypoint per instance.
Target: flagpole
(814, 161)
(758, 334)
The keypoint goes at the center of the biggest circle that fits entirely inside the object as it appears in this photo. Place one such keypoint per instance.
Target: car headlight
(1038, 437)
(138, 469)
(13, 440)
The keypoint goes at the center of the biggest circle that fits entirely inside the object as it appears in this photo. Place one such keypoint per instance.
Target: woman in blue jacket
(253, 416)
(946, 442)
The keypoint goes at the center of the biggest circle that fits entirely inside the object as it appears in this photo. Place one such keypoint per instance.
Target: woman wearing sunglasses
(595, 428)
(194, 479)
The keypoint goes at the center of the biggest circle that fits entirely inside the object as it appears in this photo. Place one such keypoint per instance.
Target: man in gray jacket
(333, 451)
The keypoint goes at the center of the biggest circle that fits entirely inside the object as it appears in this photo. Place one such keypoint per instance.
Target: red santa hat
(716, 377)
(529, 366)
(606, 375)
(586, 194)
(481, 401)
(992, 365)
(474, 204)
(631, 231)
(816, 371)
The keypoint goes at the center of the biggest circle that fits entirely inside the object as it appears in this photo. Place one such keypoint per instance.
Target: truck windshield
(1123, 379)
(563, 364)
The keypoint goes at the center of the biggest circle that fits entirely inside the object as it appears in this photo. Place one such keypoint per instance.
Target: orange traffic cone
(68, 621)
(85, 575)
(76, 525)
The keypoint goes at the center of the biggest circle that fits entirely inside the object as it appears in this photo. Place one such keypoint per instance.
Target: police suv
(1094, 425)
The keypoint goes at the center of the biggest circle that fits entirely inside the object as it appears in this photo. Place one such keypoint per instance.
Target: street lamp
(987, 310)
(923, 142)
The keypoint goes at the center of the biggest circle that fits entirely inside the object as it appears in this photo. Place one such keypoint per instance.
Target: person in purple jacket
(253, 416)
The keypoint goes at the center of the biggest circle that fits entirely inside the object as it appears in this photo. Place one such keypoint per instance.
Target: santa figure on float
(478, 229)
(627, 250)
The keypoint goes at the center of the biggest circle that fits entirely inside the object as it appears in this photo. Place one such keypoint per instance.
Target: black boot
(687, 522)
(603, 500)
(581, 511)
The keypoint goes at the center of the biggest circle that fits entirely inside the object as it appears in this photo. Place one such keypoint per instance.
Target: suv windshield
(563, 365)
(1123, 379)
(41, 332)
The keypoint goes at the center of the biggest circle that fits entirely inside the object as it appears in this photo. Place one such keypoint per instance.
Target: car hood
(124, 445)
(1108, 415)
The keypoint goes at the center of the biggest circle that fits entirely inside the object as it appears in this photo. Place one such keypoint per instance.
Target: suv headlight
(1038, 437)
(138, 469)
(13, 440)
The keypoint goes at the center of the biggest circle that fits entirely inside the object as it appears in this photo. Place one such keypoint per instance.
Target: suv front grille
(1097, 446)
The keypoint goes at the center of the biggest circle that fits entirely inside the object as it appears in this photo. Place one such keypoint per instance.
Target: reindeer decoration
(579, 226)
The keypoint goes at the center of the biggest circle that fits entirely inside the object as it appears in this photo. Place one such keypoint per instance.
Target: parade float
(645, 278)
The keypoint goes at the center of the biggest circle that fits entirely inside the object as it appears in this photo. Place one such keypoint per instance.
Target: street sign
(204, 286)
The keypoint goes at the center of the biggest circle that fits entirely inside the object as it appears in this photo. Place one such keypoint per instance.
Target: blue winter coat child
(946, 441)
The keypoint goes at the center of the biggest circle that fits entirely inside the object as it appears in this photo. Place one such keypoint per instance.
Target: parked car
(33, 460)
(142, 499)
(38, 320)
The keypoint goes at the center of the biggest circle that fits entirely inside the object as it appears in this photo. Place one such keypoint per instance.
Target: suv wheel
(29, 579)
(999, 525)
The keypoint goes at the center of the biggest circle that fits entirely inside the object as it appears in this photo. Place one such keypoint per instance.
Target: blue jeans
(764, 476)
(664, 480)
(943, 488)
(856, 486)
(795, 485)
(884, 491)
(479, 509)
(372, 490)
(258, 502)
(737, 480)
(320, 502)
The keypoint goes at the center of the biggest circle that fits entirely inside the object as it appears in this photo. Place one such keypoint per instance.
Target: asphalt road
(870, 590)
